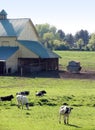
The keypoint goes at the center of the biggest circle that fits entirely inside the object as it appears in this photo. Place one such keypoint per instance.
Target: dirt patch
(65, 75)
(81, 75)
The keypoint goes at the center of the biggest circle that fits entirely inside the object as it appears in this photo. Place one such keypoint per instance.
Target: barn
(20, 48)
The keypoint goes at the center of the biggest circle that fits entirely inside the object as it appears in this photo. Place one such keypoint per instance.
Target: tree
(61, 34)
(70, 40)
(60, 45)
(48, 38)
(49, 35)
(80, 44)
(84, 35)
(91, 44)
(42, 28)
(53, 29)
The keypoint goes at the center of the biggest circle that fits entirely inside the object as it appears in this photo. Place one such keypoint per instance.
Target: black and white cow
(25, 93)
(22, 100)
(41, 93)
(7, 98)
(65, 112)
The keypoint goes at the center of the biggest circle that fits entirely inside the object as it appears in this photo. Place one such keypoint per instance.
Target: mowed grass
(44, 111)
(43, 114)
(86, 59)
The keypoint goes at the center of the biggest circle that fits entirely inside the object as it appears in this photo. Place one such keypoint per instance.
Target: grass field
(86, 59)
(43, 112)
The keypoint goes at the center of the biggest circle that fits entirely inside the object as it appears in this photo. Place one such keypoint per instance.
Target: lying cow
(25, 93)
(7, 98)
(22, 100)
(41, 93)
(65, 112)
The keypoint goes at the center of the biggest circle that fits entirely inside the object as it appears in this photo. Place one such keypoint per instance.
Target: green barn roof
(38, 49)
(6, 52)
(12, 27)
(3, 12)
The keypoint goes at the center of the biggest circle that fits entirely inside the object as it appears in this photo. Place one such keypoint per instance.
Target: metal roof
(6, 52)
(3, 12)
(12, 27)
(38, 49)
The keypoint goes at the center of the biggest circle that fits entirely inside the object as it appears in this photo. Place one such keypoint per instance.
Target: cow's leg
(67, 119)
(27, 106)
(22, 105)
(18, 104)
(64, 119)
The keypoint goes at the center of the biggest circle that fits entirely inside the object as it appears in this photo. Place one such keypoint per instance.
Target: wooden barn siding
(12, 63)
(28, 33)
(26, 53)
(37, 64)
(8, 41)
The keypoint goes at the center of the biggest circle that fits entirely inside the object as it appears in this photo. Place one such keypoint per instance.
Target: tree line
(56, 39)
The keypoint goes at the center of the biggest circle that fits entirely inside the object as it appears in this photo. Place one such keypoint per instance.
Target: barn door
(2, 68)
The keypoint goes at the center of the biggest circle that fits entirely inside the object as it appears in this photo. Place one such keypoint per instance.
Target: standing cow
(65, 112)
(22, 100)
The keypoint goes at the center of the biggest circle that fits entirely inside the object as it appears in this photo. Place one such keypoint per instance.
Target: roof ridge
(17, 18)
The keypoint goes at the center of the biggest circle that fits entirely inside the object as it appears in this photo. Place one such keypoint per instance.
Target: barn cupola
(3, 15)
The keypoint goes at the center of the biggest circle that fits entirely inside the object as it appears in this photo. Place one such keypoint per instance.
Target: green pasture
(44, 111)
(86, 59)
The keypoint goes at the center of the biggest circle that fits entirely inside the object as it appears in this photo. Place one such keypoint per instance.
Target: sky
(69, 15)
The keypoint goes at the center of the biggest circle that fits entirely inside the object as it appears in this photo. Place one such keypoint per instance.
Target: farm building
(20, 49)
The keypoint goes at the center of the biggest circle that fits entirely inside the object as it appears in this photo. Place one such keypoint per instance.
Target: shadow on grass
(74, 126)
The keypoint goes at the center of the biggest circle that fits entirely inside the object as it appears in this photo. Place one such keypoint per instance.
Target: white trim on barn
(20, 47)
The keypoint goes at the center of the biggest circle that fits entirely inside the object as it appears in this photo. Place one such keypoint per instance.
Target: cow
(40, 93)
(7, 98)
(65, 112)
(25, 93)
(22, 100)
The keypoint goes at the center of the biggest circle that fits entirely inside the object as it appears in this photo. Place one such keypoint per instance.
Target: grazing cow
(41, 93)
(25, 93)
(22, 100)
(7, 98)
(65, 112)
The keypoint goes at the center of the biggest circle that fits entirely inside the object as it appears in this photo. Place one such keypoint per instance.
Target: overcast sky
(69, 15)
